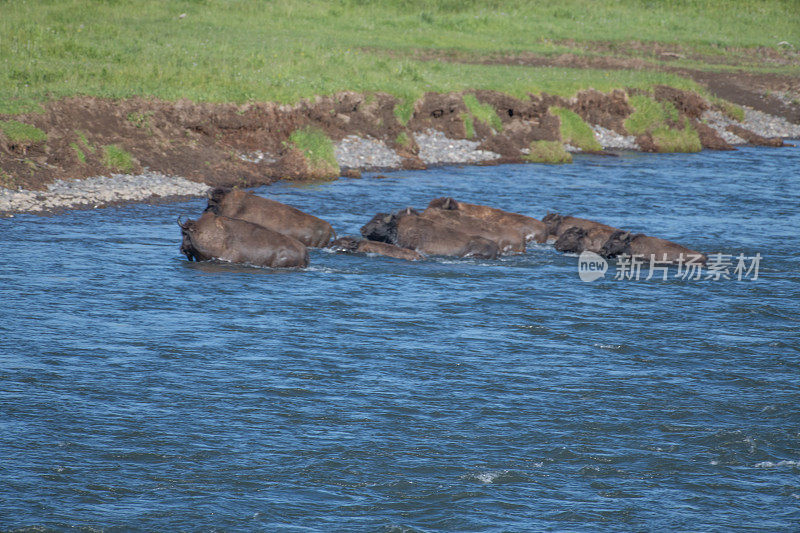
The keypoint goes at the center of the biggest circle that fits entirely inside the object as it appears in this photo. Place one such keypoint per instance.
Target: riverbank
(182, 149)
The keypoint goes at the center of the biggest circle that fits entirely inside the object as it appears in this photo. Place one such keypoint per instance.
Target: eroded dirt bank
(247, 145)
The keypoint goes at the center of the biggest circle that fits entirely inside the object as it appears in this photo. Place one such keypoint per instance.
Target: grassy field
(244, 50)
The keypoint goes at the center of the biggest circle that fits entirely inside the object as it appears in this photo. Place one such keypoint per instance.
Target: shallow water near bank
(143, 391)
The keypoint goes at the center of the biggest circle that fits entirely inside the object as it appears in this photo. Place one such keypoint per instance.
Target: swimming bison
(509, 240)
(530, 228)
(558, 224)
(285, 219)
(238, 241)
(577, 240)
(352, 245)
(645, 246)
(409, 230)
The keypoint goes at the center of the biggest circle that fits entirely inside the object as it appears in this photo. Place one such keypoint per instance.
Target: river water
(141, 391)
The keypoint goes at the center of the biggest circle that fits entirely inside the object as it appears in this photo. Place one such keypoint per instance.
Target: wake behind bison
(238, 226)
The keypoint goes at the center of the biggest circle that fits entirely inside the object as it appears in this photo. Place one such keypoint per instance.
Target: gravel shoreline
(97, 192)
(352, 152)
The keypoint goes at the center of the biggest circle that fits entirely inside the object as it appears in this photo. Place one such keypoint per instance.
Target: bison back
(507, 239)
(275, 216)
(239, 241)
(427, 237)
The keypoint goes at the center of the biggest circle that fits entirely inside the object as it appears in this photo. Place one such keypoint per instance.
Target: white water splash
(770, 464)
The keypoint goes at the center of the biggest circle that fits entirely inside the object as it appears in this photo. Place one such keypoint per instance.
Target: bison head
(345, 244)
(382, 227)
(187, 248)
(215, 198)
(551, 222)
(571, 240)
(449, 204)
(617, 244)
(189, 230)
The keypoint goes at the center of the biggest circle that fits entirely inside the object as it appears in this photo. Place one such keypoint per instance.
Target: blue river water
(139, 391)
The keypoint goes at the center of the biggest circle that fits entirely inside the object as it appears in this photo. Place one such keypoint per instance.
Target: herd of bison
(241, 227)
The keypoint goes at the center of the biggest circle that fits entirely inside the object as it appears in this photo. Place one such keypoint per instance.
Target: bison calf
(352, 245)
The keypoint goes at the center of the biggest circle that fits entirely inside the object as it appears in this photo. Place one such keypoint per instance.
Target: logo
(591, 266)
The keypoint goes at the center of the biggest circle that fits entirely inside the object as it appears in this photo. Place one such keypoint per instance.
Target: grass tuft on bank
(483, 112)
(575, 131)
(677, 140)
(117, 159)
(661, 120)
(649, 114)
(547, 152)
(317, 148)
(17, 132)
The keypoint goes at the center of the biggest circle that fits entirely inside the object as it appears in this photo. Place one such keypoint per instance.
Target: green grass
(7, 181)
(648, 114)
(730, 110)
(548, 152)
(117, 159)
(78, 152)
(575, 131)
(405, 109)
(247, 50)
(403, 140)
(659, 119)
(317, 149)
(17, 131)
(85, 141)
(140, 120)
(469, 125)
(677, 140)
(483, 112)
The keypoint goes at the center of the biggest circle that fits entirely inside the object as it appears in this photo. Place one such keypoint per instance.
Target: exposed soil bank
(776, 94)
(249, 145)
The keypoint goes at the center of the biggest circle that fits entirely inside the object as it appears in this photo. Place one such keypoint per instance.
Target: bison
(507, 239)
(530, 228)
(557, 224)
(353, 245)
(238, 241)
(577, 240)
(647, 247)
(285, 219)
(409, 230)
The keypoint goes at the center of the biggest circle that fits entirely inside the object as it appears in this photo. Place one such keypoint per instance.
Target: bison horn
(179, 222)
(387, 219)
(450, 203)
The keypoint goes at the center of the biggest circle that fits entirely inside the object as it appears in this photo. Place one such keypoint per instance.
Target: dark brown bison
(530, 228)
(577, 240)
(244, 205)
(509, 240)
(353, 245)
(558, 224)
(409, 230)
(644, 246)
(238, 241)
